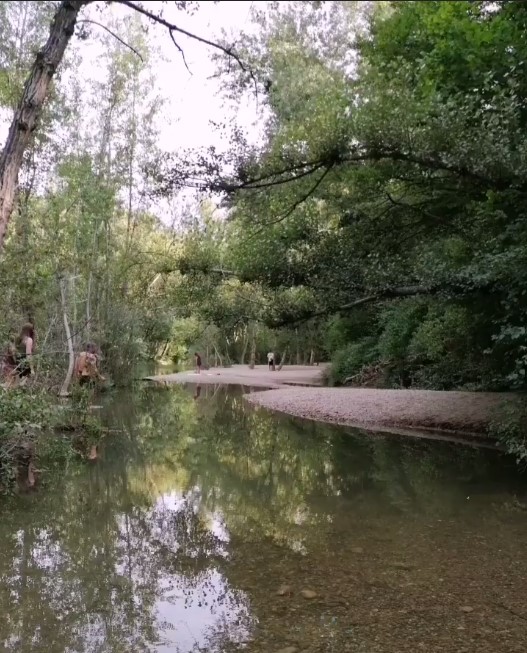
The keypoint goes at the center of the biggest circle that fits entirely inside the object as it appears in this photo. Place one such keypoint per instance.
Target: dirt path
(460, 412)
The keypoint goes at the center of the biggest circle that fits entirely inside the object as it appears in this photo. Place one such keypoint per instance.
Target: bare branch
(118, 38)
(252, 185)
(171, 27)
(369, 299)
(181, 51)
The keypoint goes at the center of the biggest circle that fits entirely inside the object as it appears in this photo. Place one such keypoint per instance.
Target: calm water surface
(208, 526)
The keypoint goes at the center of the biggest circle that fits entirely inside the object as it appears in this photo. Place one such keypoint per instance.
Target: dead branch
(115, 36)
(171, 27)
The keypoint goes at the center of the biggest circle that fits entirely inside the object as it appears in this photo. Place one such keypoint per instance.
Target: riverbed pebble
(309, 594)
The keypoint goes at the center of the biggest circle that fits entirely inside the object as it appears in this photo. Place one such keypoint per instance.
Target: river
(209, 526)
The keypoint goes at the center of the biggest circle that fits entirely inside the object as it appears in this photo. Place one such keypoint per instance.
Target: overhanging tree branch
(293, 207)
(171, 27)
(383, 295)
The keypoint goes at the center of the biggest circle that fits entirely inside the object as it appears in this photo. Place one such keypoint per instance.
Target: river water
(209, 526)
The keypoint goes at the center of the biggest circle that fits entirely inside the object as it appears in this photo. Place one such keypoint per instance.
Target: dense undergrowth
(39, 435)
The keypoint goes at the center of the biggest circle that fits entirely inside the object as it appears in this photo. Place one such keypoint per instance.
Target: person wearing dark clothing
(24, 344)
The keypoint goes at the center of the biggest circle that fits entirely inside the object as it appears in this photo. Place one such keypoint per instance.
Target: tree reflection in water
(167, 541)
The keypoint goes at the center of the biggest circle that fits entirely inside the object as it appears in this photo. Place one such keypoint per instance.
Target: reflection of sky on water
(189, 617)
(192, 611)
(187, 625)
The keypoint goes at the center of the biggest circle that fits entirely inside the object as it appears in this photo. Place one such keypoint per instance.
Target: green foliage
(350, 360)
(24, 412)
(510, 429)
(398, 325)
(401, 174)
(35, 429)
(26, 420)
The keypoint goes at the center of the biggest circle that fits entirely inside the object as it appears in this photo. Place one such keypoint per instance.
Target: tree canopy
(378, 222)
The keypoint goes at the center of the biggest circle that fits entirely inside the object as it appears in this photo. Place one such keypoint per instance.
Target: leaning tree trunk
(283, 359)
(30, 106)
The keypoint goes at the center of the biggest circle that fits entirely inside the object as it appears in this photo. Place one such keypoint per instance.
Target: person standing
(24, 347)
(270, 361)
(198, 362)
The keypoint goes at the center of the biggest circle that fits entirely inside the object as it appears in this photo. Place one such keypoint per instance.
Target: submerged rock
(309, 594)
(284, 590)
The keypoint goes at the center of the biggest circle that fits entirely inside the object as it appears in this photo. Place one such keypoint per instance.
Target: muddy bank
(466, 413)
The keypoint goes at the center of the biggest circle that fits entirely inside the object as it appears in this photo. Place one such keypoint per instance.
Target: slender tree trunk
(64, 391)
(251, 328)
(131, 161)
(88, 306)
(217, 353)
(245, 347)
(44, 342)
(30, 106)
(283, 359)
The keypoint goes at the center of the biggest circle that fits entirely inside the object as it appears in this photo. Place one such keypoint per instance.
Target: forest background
(369, 209)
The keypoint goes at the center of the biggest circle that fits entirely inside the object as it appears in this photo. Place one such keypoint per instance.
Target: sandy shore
(467, 413)
(259, 377)
(398, 411)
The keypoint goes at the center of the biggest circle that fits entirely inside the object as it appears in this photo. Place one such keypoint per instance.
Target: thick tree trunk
(30, 106)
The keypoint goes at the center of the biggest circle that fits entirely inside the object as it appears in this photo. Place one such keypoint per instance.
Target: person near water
(198, 362)
(23, 352)
(270, 360)
(86, 369)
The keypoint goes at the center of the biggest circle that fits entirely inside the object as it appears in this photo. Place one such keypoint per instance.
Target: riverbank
(296, 390)
(259, 377)
(458, 413)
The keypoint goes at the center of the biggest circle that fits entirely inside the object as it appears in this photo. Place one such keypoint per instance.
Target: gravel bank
(459, 412)
(258, 377)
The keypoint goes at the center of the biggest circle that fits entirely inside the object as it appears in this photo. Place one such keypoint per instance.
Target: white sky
(193, 99)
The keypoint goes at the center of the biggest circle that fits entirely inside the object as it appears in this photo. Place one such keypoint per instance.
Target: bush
(510, 429)
(25, 417)
(33, 429)
(349, 360)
